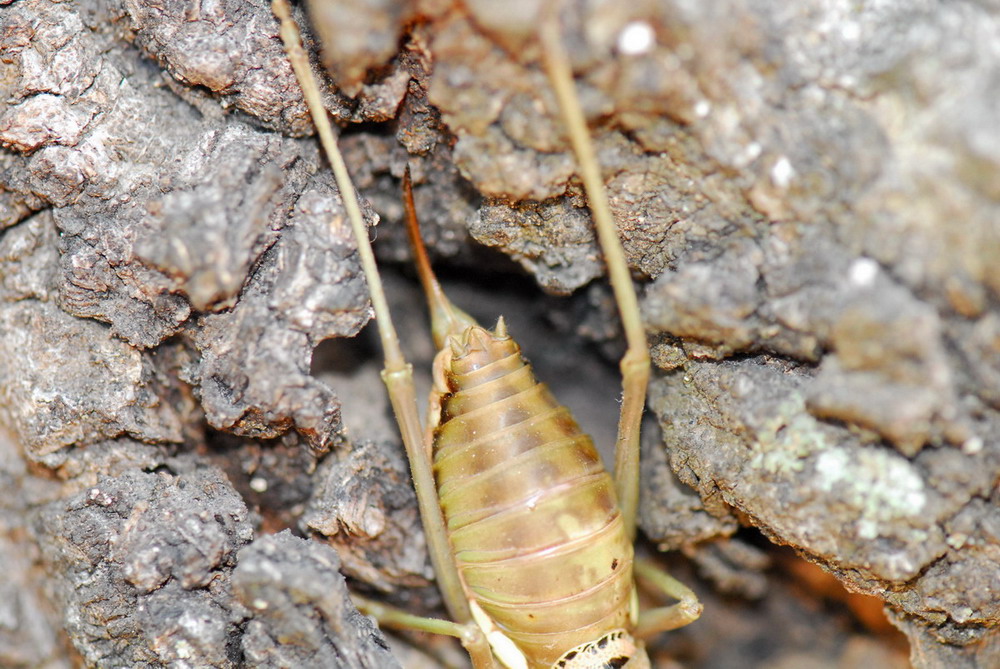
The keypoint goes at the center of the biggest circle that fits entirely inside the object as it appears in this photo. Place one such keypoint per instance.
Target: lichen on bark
(807, 195)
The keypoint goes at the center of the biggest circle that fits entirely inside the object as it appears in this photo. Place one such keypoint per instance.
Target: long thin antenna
(398, 374)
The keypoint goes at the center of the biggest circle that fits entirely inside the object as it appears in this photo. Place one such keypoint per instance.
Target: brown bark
(808, 197)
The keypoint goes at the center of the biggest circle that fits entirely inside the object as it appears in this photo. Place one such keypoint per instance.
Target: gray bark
(808, 194)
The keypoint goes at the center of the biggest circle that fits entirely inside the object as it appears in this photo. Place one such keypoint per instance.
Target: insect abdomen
(531, 512)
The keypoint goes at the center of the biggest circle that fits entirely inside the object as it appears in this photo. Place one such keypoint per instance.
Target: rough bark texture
(808, 196)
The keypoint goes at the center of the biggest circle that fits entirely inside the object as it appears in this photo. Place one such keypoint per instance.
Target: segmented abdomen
(531, 512)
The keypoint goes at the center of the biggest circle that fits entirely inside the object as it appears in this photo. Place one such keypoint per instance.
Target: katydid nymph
(530, 537)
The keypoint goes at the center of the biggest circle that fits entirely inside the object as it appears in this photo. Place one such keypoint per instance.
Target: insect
(530, 538)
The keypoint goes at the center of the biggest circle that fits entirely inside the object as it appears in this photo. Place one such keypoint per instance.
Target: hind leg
(686, 610)
(397, 374)
(635, 363)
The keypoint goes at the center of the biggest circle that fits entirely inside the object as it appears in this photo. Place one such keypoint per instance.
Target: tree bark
(809, 198)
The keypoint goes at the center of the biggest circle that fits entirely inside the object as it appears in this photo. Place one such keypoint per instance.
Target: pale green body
(531, 513)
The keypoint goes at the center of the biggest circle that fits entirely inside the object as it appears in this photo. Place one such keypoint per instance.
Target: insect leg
(396, 618)
(686, 610)
(635, 364)
(392, 617)
(397, 373)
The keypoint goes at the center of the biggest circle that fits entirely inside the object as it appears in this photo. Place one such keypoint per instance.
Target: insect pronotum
(530, 538)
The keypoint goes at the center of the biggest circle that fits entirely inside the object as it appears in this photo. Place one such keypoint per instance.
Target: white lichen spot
(777, 462)
(962, 614)
(259, 604)
(786, 439)
(832, 466)
(752, 152)
(883, 486)
(636, 38)
(972, 446)
(258, 484)
(183, 650)
(867, 529)
(744, 387)
(862, 272)
(847, 81)
(898, 565)
(782, 172)
(957, 540)
(702, 108)
(850, 31)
